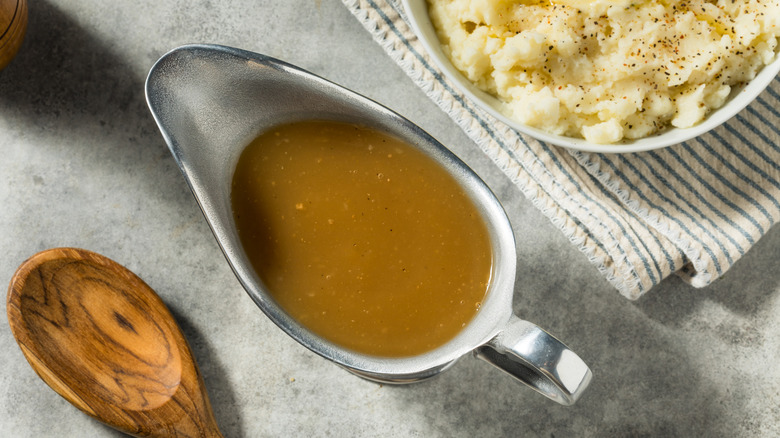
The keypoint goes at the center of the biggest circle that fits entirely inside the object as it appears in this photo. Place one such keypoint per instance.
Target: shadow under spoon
(102, 339)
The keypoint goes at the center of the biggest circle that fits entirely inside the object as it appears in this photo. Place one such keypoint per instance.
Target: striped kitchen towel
(692, 209)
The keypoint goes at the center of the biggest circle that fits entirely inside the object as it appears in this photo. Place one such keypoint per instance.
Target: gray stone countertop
(83, 164)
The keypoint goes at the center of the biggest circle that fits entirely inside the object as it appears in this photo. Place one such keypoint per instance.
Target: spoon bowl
(103, 340)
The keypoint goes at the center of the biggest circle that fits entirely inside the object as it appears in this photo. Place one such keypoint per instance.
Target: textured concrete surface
(82, 164)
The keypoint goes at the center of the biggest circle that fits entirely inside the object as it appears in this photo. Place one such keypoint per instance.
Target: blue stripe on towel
(668, 169)
(766, 122)
(703, 182)
(772, 92)
(624, 180)
(768, 106)
(727, 164)
(751, 165)
(746, 123)
(667, 256)
(671, 217)
(601, 207)
(725, 181)
(752, 146)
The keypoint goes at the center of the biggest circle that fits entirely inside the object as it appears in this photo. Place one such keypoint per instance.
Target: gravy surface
(363, 239)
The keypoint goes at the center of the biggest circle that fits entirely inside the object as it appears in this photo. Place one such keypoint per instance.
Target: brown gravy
(363, 239)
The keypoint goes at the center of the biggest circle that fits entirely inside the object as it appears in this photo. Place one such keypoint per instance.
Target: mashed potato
(607, 70)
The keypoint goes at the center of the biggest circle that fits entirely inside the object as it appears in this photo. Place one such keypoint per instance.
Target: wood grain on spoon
(103, 339)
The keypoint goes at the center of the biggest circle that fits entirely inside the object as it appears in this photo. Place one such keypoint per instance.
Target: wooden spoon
(102, 339)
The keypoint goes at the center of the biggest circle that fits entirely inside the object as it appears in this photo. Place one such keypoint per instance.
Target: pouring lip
(497, 306)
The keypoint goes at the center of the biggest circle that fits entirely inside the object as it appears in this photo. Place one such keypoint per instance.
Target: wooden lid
(9, 9)
(13, 25)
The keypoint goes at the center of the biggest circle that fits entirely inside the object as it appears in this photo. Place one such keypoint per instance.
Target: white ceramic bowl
(417, 11)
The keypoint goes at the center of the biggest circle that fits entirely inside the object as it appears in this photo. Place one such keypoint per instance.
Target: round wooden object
(103, 340)
(13, 25)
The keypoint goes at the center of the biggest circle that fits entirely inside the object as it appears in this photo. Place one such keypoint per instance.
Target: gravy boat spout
(211, 101)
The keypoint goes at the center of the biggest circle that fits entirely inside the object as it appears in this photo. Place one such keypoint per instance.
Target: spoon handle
(103, 340)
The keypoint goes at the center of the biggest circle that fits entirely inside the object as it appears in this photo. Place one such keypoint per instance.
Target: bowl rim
(740, 97)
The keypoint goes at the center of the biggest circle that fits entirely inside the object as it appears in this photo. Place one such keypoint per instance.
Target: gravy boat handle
(537, 359)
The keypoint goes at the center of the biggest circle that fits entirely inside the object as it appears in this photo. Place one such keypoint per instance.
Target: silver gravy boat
(211, 101)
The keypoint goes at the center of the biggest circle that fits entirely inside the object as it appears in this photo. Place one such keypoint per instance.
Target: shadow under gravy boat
(211, 101)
